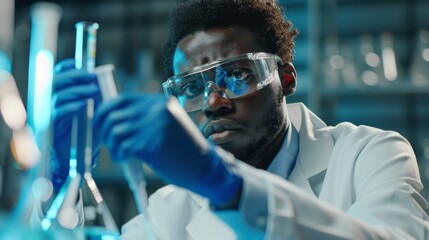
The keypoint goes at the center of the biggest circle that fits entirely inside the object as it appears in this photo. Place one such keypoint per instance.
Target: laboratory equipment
(348, 71)
(389, 58)
(419, 71)
(86, 36)
(62, 212)
(43, 47)
(370, 66)
(98, 219)
(45, 18)
(332, 64)
(29, 131)
(132, 168)
(26, 155)
(58, 214)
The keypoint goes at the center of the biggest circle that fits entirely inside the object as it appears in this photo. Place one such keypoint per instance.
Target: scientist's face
(251, 127)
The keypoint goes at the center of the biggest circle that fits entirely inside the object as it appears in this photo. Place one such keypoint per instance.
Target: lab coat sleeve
(170, 210)
(387, 203)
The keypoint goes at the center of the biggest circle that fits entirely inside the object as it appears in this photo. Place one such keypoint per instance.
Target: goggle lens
(233, 77)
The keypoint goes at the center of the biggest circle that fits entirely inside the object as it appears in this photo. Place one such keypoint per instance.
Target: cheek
(254, 108)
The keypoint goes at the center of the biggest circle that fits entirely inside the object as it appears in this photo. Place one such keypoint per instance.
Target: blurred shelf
(352, 17)
(396, 89)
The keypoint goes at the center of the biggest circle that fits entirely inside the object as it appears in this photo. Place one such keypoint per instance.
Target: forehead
(214, 44)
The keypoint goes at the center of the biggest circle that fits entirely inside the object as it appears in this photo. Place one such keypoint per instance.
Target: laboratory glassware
(99, 221)
(332, 64)
(419, 71)
(369, 62)
(44, 32)
(389, 58)
(132, 168)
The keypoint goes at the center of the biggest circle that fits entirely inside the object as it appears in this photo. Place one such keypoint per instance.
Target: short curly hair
(263, 17)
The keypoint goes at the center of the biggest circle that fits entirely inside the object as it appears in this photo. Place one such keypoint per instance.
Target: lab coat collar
(315, 148)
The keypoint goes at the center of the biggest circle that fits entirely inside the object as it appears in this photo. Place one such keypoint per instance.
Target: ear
(288, 78)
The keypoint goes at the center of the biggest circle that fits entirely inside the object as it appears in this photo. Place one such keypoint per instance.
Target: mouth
(221, 131)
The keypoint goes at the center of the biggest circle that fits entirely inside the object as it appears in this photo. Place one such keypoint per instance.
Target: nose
(215, 101)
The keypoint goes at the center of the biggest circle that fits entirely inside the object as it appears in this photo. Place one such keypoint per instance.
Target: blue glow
(73, 167)
(73, 160)
(56, 204)
(5, 63)
(46, 223)
(105, 237)
(42, 90)
(79, 46)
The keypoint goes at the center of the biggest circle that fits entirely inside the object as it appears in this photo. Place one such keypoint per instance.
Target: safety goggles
(231, 78)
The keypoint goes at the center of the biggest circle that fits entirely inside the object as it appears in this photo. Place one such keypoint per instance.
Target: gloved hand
(70, 92)
(144, 127)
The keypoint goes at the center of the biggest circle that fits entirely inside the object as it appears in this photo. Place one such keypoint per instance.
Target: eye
(236, 76)
(192, 89)
(238, 80)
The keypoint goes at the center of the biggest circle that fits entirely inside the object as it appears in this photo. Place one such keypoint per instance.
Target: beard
(272, 124)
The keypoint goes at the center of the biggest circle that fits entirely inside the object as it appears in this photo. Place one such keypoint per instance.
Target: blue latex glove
(143, 127)
(70, 92)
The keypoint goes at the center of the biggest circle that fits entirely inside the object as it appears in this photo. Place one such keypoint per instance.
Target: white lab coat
(348, 182)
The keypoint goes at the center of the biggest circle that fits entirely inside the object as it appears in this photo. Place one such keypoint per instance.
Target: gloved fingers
(119, 134)
(128, 148)
(103, 117)
(66, 112)
(130, 124)
(132, 118)
(63, 158)
(134, 103)
(120, 120)
(144, 144)
(58, 173)
(141, 141)
(61, 148)
(124, 115)
(62, 121)
(121, 124)
(62, 128)
(75, 94)
(65, 65)
(73, 78)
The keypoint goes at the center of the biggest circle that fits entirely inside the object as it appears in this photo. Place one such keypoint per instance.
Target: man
(267, 170)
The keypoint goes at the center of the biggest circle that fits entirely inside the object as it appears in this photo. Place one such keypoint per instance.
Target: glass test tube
(45, 18)
(86, 39)
(86, 36)
(62, 208)
(132, 168)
